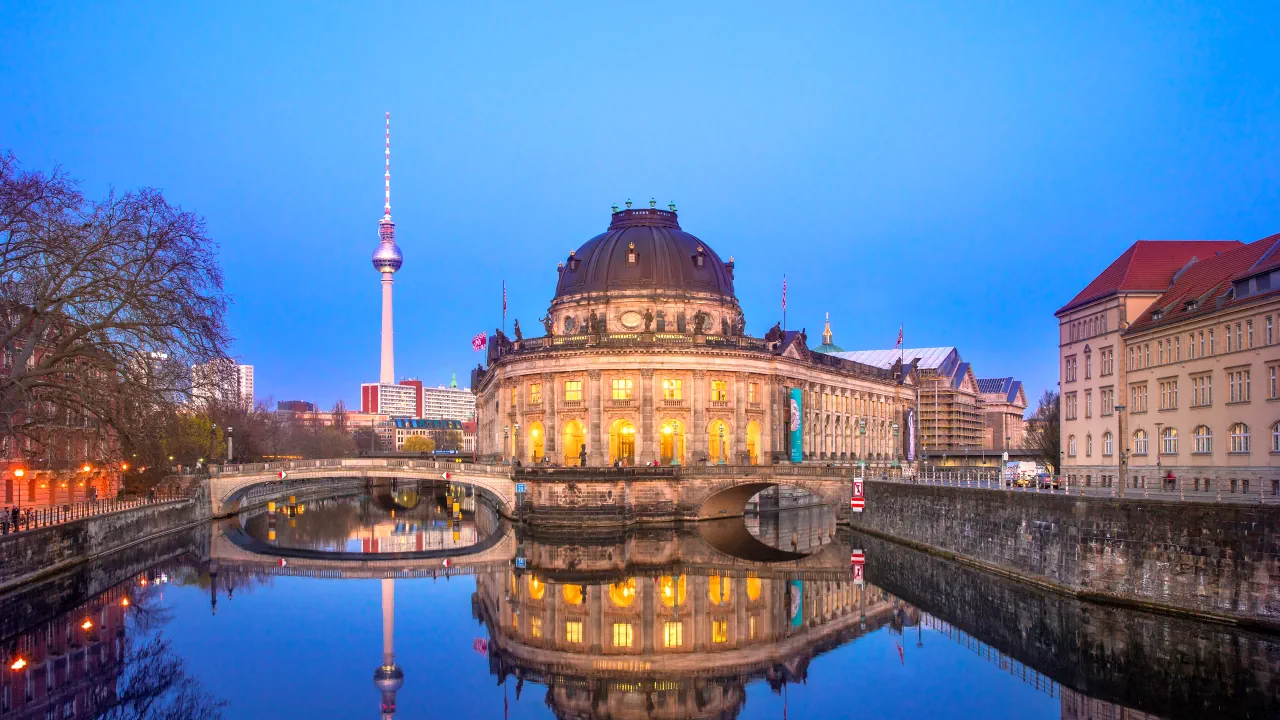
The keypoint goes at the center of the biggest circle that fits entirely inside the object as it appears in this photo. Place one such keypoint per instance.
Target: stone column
(739, 416)
(519, 428)
(699, 429)
(647, 454)
(597, 637)
(767, 421)
(549, 426)
(646, 587)
(597, 449)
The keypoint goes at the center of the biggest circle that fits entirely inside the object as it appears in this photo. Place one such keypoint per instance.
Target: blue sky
(960, 168)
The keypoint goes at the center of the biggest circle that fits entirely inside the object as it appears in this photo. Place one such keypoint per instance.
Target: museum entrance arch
(671, 443)
(622, 442)
(537, 442)
(572, 439)
(719, 442)
(753, 442)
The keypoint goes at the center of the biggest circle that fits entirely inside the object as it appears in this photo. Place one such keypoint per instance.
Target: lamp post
(18, 474)
(1122, 463)
(515, 445)
(229, 443)
(1159, 448)
(506, 441)
(721, 444)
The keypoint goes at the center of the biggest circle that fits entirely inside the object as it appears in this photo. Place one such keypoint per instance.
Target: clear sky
(960, 168)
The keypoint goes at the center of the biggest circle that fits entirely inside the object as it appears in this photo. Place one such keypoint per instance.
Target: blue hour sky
(960, 168)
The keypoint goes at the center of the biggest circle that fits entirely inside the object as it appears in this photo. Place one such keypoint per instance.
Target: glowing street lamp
(18, 664)
(87, 624)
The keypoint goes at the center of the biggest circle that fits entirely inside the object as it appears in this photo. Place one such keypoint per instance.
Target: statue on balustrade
(548, 324)
(648, 320)
(516, 330)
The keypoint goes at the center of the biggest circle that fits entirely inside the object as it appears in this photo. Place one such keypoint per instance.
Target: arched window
(1140, 442)
(1239, 438)
(1071, 446)
(1204, 440)
(1275, 438)
(1088, 445)
(1107, 444)
(1169, 440)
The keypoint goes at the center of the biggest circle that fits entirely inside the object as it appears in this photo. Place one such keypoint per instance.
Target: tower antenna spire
(387, 208)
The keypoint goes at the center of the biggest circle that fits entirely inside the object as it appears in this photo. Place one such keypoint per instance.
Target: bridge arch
(728, 497)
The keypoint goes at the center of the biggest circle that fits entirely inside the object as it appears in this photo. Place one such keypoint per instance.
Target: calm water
(419, 601)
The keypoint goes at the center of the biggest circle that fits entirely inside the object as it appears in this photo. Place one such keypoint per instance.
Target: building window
(1108, 445)
(573, 390)
(1071, 446)
(1169, 441)
(1249, 334)
(1270, 330)
(1108, 401)
(1202, 391)
(1227, 332)
(1275, 438)
(1160, 350)
(535, 626)
(753, 396)
(1138, 398)
(720, 391)
(1177, 348)
(1239, 438)
(515, 391)
(623, 635)
(1088, 445)
(1140, 442)
(1201, 343)
(1238, 385)
(672, 634)
(1239, 338)
(1169, 395)
(1146, 355)
(1088, 403)
(535, 394)
(1204, 440)
(573, 631)
(1069, 411)
(672, 389)
(720, 631)
(1272, 370)
(622, 388)
(1130, 358)
(1088, 365)
(1212, 345)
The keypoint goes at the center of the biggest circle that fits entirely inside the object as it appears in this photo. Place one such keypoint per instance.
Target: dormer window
(573, 260)
(700, 257)
(1157, 314)
(632, 257)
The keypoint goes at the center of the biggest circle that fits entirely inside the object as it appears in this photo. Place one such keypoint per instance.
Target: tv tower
(387, 260)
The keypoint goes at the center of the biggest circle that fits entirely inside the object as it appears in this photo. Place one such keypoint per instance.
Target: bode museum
(646, 358)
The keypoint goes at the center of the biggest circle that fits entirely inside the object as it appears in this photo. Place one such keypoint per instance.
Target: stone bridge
(551, 494)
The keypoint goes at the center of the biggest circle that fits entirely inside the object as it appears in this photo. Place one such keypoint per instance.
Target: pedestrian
(14, 515)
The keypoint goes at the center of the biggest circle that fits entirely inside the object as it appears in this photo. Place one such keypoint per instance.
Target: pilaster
(647, 452)
(596, 447)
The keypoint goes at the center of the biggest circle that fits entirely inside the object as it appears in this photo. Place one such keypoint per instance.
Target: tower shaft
(387, 372)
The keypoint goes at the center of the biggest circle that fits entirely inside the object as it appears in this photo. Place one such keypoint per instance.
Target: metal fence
(1180, 491)
(34, 518)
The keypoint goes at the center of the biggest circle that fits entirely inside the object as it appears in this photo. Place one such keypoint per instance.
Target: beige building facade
(1173, 367)
(646, 360)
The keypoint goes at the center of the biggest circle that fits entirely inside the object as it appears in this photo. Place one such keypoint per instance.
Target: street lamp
(506, 441)
(229, 443)
(1159, 447)
(1122, 462)
(721, 444)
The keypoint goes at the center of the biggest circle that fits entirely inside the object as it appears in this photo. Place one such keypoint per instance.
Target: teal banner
(797, 425)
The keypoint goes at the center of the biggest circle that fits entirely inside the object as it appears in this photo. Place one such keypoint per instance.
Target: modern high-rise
(448, 403)
(222, 381)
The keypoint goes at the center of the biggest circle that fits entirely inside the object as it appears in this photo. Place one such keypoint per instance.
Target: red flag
(479, 342)
(899, 337)
(901, 657)
(481, 646)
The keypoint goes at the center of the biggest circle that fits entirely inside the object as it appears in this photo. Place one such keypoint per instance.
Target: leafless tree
(104, 306)
(1044, 431)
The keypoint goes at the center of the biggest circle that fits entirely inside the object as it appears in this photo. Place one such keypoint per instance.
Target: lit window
(752, 392)
(1071, 446)
(672, 634)
(1107, 444)
(1204, 440)
(1239, 438)
(514, 390)
(622, 388)
(572, 594)
(671, 590)
(1275, 438)
(1140, 442)
(624, 593)
(719, 631)
(1169, 441)
(672, 389)
(573, 631)
(573, 390)
(622, 635)
(720, 391)
(751, 627)
(719, 589)
(535, 394)
(535, 626)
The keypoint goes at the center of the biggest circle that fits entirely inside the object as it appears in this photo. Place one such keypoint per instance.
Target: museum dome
(644, 249)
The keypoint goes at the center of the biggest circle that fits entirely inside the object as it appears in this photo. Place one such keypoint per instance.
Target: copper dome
(645, 249)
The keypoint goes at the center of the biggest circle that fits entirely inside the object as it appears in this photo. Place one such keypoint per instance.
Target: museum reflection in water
(652, 622)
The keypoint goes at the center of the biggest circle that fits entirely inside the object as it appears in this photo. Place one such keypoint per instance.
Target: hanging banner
(910, 435)
(857, 560)
(797, 603)
(857, 502)
(797, 425)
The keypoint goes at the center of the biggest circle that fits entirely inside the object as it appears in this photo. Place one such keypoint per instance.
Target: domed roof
(645, 249)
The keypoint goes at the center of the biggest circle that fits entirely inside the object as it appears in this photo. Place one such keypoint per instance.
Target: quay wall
(27, 555)
(1213, 561)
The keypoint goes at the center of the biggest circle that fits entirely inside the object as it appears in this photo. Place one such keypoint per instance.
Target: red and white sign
(282, 474)
(857, 560)
(857, 502)
(446, 476)
(282, 562)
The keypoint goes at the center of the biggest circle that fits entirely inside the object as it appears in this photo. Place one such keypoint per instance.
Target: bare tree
(340, 416)
(1044, 431)
(104, 306)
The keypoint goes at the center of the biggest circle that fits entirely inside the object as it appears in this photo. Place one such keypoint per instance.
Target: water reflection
(648, 622)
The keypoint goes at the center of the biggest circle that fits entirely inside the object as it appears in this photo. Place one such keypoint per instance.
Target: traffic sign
(856, 501)
(447, 475)
(521, 563)
(282, 474)
(520, 487)
(857, 560)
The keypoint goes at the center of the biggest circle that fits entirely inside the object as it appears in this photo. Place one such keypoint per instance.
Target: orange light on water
(18, 664)
(124, 602)
(87, 624)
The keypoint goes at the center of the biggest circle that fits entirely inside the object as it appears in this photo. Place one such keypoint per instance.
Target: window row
(1087, 327)
(1238, 435)
(1201, 343)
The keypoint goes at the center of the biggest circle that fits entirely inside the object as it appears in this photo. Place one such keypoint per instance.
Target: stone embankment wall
(31, 554)
(1167, 666)
(1204, 559)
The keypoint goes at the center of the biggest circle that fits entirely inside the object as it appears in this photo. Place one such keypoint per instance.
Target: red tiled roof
(1269, 260)
(1204, 282)
(1148, 265)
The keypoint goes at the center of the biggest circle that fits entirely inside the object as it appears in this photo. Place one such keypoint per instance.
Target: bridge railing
(1213, 490)
(32, 518)
(679, 471)
(360, 464)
